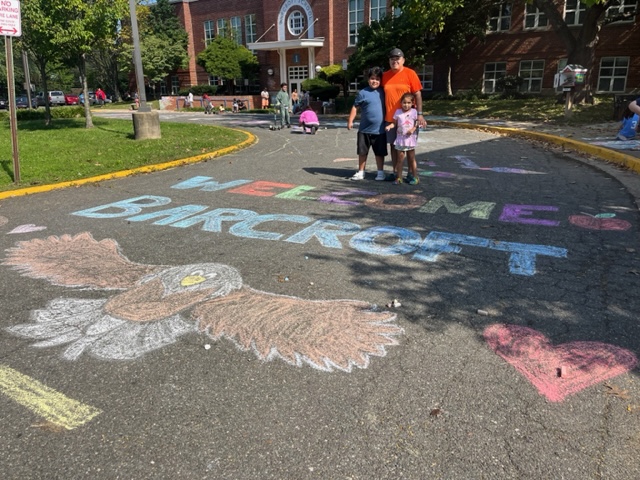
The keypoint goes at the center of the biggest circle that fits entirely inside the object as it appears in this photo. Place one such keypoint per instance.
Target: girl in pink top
(309, 119)
(405, 120)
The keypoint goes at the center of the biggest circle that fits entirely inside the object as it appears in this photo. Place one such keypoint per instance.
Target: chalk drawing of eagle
(154, 305)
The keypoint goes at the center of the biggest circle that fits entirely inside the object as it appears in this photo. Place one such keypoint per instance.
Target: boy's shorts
(376, 142)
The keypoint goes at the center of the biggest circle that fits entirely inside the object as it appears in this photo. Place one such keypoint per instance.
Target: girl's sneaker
(359, 175)
(411, 180)
(397, 181)
(380, 177)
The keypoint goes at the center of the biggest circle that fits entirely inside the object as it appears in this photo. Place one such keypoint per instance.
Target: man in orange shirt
(396, 82)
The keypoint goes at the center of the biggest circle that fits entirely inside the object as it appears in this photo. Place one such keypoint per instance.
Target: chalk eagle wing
(78, 261)
(327, 335)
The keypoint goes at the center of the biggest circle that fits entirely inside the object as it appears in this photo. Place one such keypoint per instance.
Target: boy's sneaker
(411, 180)
(380, 177)
(397, 181)
(359, 175)
(390, 178)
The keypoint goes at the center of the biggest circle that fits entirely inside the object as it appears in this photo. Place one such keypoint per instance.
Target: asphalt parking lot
(261, 316)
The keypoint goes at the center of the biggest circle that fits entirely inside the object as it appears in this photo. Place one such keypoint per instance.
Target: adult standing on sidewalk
(396, 82)
(283, 102)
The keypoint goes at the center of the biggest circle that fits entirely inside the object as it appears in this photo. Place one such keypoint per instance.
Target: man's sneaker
(380, 177)
(390, 178)
(359, 175)
(411, 180)
(397, 181)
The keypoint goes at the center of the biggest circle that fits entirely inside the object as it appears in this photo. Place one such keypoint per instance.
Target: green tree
(70, 29)
(224, 58)
(410, 31)
(580, 42)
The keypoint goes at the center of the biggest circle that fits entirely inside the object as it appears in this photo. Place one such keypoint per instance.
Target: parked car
(4, 104)
(22, 101)
(92, 98)
(71, 99)
(56, 97)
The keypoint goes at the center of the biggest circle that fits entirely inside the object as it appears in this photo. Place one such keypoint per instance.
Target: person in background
(188, 102)
(396, 82)
(629, 126)
(283, 102)
(206, 100)
(295, 101)
(309, 119)
(264, 95)
(371, 132)
(100, 96)
(234, 106)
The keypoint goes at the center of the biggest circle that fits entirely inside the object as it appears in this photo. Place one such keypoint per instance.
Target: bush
(199, 90)
(39, 113)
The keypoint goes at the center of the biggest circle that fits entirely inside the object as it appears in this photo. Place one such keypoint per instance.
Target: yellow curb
(126, 173)
(628, 161)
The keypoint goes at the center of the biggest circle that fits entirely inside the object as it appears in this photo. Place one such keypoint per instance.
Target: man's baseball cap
(396, 52)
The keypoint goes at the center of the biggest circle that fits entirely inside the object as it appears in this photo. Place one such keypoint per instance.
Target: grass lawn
(543, 110)
(65, 150)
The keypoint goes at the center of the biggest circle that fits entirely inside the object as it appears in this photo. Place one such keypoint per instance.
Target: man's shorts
(376, 142)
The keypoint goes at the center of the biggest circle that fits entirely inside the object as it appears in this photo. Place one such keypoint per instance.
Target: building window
(163, 87)
(561, 64)
(574, 12)
(534, 18)
(250, 28)
(235, 24)
(217, 81)
(500, 18)
(356, 17)
(492, 72)
(222, 26)
(426, 77)
(378, 9)
(295, 23)
(531, 72)
(626, 7)
(175, 84)
(613, 74)
(208, 32)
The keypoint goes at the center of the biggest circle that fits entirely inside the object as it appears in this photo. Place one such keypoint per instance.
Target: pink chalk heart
(30, 227)
(561, 370)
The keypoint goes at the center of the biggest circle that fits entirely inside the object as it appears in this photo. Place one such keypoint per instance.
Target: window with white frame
(627, 7)
(531, 72)
(250, 29)
(213, 80)
(613, 74)
(574, 12)
(561, 64)
(377, 10)
(534, 18)
(356, 17)
(296, 23)
(493, 72)
(500, 18)
(209, 33)
(235, 24)
(222, 26)
(175, 84)
(163, 87)
(426, 77)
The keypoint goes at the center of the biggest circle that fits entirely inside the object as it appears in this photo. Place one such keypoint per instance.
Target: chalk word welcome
(381, 241)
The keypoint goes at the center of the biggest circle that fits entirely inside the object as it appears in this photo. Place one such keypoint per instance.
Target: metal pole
(137, 58)
(27, 75)
(13, 120)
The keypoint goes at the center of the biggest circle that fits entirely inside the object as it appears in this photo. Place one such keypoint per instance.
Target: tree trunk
(88, 121)
(42, 66)
(449, 88)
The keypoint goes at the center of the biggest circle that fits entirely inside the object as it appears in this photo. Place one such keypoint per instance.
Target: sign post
(11, 26)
